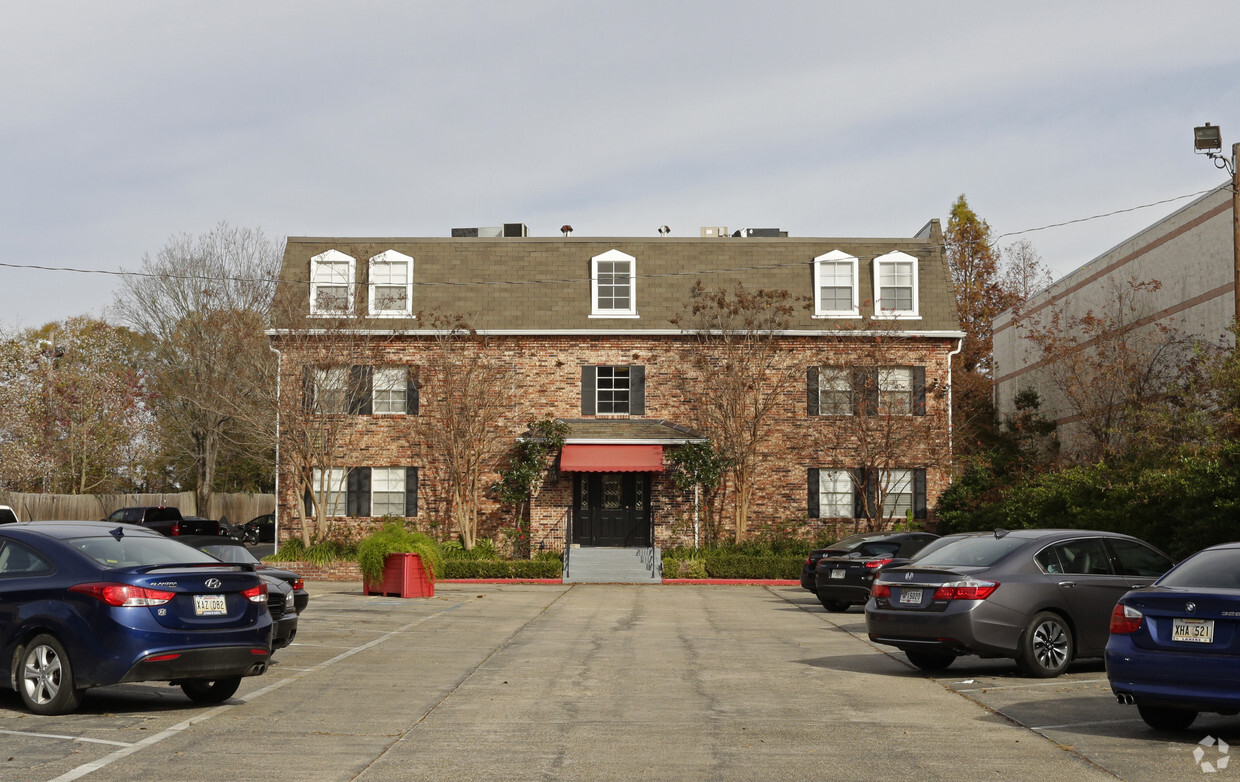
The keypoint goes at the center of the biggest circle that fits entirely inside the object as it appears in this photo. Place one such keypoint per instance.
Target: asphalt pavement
(602, 682)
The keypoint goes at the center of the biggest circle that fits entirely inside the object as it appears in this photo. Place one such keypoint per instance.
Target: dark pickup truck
(165, 521)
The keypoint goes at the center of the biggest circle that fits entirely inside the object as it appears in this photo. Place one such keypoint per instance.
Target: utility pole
(1208, 140)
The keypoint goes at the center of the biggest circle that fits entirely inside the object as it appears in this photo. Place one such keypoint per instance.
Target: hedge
(709, 563)
(495, 568)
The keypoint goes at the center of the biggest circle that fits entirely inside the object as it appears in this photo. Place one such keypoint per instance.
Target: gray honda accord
(1040, 597)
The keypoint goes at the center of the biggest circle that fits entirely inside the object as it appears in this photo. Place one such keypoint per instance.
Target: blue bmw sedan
(1174, 648)
(85, 604)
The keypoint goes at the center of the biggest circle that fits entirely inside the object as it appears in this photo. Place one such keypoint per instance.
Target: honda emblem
(908, 576)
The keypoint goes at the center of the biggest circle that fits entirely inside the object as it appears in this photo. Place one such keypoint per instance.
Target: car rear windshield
(228, 553)
(978, 551)
(1218, 569)
(138, 550)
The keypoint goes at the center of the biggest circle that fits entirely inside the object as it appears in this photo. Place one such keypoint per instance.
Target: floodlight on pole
(1208, 139)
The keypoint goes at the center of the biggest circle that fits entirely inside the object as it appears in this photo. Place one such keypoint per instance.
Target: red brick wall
(550, 370)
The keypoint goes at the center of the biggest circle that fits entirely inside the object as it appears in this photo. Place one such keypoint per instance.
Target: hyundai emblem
(214, 583)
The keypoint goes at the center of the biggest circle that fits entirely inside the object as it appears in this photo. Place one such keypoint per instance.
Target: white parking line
(65, 738)
(1057, 682)
(87, 768)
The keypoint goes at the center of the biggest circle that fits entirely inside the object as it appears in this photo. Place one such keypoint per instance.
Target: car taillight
(1125, 619)
(880, 590)
(299, 583)
(877, 563)
(176, 528)
(809, 560)
(256, 594)
(968, 589)
(124, 595)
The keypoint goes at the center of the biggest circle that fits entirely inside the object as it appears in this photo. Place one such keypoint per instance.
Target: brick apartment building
(586, 327)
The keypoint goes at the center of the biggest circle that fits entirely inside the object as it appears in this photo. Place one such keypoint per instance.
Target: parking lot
(604, 682)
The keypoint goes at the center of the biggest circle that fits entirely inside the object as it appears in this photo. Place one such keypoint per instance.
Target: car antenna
(117, 533)
(1000, 532)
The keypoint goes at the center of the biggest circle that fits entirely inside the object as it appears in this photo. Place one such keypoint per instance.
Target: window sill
(331, 315)
(393, 315)
(614, 315)
(897, 316)
(836, 315)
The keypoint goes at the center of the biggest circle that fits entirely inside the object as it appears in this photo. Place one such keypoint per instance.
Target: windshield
(137, 551)
(1218, 569)
(227, 553)
(974, 551)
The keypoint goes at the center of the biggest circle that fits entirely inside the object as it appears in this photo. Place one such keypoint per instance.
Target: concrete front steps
(613, 566)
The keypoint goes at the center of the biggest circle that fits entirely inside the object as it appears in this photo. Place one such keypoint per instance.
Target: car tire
(210, 691)
(930, 661)
(834, 606)
(45, 677)
(1166, 718)
(1045, 647)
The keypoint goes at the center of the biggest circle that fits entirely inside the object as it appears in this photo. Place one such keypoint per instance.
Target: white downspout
(950, 430)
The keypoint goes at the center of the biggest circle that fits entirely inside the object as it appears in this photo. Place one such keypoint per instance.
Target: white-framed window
(895, 286)
(898, 496)
(895, 390)
(613, 285)
(613, 390)
(387, 491)
(331, 389)
(391, 285)
(835, 494)
(391, 385)
(331, 284)
(835, 286)
(331, 487)
(835, 391)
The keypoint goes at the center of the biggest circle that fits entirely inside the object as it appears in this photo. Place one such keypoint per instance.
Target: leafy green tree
(699, 468)
(520, 481)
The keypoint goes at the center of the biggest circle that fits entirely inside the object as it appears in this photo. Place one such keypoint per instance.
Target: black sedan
(844, 580)
(260, 529)
(1041, 597)
(227, 549)
(840, 547)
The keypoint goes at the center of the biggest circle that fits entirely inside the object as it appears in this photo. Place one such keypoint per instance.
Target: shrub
(499, 568)
(323, 553)
(394, 538)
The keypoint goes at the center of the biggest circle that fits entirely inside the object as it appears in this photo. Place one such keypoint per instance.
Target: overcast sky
(124, 123)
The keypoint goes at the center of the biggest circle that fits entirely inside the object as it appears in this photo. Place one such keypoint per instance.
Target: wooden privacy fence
(234, 508)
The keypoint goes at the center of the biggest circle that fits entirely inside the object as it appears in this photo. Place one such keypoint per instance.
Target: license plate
(209, 605)
(910, 596)
(1200, 631)
(837, 573)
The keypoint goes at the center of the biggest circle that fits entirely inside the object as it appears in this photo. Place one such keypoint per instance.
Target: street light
(1208, 140)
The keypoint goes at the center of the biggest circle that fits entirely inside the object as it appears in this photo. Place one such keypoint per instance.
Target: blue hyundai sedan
(85, 604)
(1174, 648)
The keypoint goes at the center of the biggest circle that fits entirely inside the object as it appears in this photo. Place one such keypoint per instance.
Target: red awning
(611, 458)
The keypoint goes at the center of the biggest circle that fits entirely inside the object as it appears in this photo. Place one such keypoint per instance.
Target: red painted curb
(699, 581)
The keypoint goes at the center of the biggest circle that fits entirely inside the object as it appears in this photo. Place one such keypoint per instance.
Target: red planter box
(403, 576)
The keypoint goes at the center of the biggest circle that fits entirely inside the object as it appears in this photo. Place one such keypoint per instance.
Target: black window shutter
(919, 493)
(637, 390)
(919, 390)
(811, 394)
(411, 391)
(307, 389)
(859, 493)
(361, 396)
(309, 501)
(588, 396)
(813, 492)
(411, 491)
(357, 500)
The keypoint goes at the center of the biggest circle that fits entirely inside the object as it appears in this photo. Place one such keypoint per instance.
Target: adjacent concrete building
(586, 327)
(1189, 253)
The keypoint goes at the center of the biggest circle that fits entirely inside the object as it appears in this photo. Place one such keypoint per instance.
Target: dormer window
(835, 285)
(613, 292)
(391, 285)
(895, 286)
(331, 284)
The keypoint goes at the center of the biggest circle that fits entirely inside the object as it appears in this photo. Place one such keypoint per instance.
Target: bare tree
(1107, 367)
(880, 417)
(739, 374)
(202, 301)
(1022, 272)
(470, 409)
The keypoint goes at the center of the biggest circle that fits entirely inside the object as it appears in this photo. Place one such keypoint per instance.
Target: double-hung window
(835, 285)
(835, 494)
(613, 390)
(391, 389)
(895, 390)
(613, 288)
(365, 491)
(330, 487)
(897, 486)
(331, 389)
(831, 391)
(387, 491)
(391, 285)
(331, 284)
(895, 286)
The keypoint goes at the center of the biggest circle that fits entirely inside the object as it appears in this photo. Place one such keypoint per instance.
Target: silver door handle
(1068, 584)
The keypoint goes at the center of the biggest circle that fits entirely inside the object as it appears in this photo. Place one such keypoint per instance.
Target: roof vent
(760, 233)
(515, 231)
(476, 233)
(714, 231)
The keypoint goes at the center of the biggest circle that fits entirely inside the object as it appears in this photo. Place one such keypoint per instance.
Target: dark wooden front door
(611, 509)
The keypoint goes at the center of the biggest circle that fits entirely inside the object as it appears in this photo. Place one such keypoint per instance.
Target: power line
(1100, 216)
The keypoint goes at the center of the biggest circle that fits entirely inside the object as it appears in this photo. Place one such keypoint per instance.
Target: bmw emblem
(1190, 607)
(214, 583)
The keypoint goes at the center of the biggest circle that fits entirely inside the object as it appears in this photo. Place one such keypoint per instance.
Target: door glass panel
(584, 502)
(611, 492)
(639, 494)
